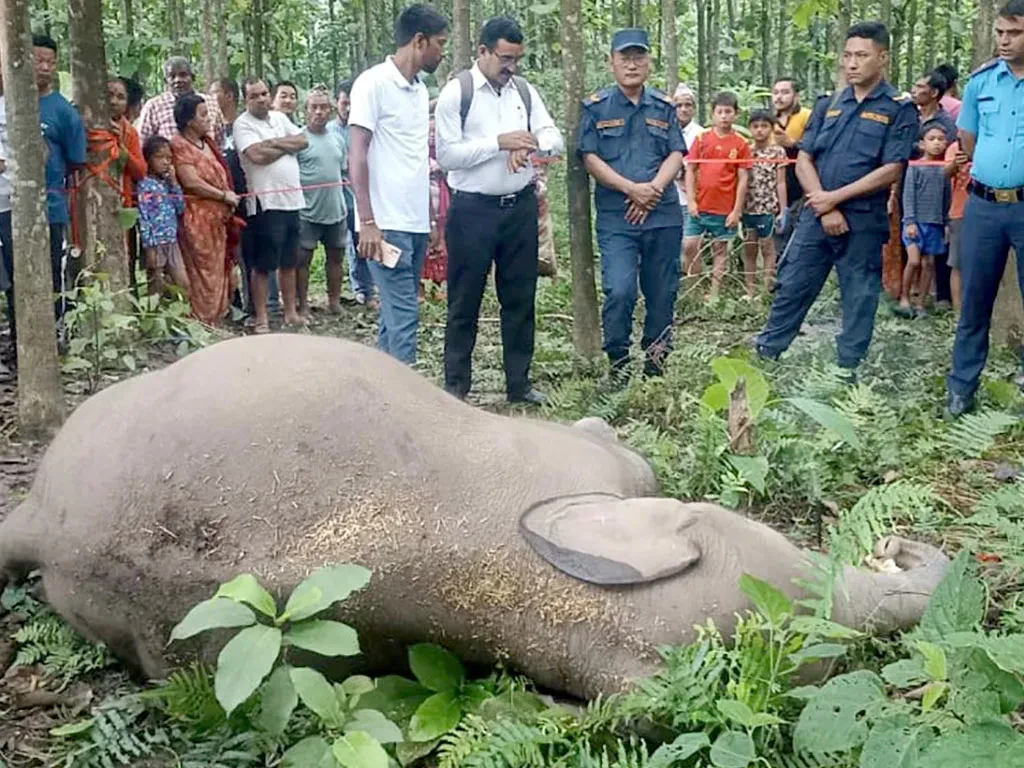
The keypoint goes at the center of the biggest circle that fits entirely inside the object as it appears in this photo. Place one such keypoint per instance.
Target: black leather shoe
(958, 405)
(848, 376)
(764, 353)
(531, 396)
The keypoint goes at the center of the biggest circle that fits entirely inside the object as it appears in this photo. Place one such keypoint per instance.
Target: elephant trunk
(887, 602)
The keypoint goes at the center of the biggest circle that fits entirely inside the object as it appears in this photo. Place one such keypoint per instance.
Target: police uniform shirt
(849, 139)
(993, 110)
(634, 139)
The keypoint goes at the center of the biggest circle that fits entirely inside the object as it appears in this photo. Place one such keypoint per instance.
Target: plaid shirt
(158, 118)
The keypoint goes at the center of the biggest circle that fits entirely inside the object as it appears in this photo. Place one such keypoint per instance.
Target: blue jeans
(988, 232)
(359, 272)
(857, 257)
(399, 295)
(652, 256)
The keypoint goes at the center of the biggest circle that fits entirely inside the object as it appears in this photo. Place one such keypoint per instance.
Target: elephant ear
(608, 540)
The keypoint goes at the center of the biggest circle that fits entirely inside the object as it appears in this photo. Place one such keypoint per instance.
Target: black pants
(479, 231)
(56, 254)
(943, 292)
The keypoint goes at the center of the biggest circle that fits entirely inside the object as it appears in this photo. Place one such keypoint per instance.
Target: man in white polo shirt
(486, 146)
(267, 143)
(390, 171)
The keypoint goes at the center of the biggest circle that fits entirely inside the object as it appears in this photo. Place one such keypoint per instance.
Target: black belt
(996, 195)
(502, 201)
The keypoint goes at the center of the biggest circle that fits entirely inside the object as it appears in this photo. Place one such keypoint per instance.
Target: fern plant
(117, 733)
(48, 641)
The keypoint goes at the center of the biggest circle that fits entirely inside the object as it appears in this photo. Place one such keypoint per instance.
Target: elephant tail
(20, 540)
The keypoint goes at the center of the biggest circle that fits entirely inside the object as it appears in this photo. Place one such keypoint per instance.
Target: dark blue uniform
(635, 139)
(847, 140)
(993, 112)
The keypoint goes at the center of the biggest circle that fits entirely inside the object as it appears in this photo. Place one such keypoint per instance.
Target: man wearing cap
(631, 143)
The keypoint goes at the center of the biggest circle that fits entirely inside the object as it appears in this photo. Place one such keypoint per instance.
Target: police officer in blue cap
(992, 131)
(855, 148)
(631, 144)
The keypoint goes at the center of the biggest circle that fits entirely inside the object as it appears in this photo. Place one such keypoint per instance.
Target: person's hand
(231, 199)
(912, 231)
(949, 233)
(691, 207)
(782, 138)
(644, 194)
(371, 242)
(890, 204)
(517, 160)
(733, 220)
(171, 176)
(961, 158)
(822, 201)
(435, 235)
(779, 221)
(516, 140)
(834, 223)
(636, 214)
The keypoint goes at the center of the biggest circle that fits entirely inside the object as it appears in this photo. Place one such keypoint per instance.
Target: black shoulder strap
(465, 78)
(524, 93)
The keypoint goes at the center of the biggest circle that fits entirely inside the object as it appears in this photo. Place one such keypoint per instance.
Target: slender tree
(222, 68)
(462, 37)
(780, 57)
(713, 43)
(128, 11)
(670, 44)
(766, 45)
(703, 95)
(209, 26)
(40, 394)
(911, 32)
(586, 328)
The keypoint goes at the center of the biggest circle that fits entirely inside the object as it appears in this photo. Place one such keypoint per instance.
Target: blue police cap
(631, 38)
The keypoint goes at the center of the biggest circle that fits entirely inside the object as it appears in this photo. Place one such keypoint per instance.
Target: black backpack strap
(465, 78)
(524, 93)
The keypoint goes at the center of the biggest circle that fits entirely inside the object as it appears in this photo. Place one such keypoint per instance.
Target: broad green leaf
(73, 729)
(1007, 653)
(716, 397)
(735, 710)
(396, 696)
(245, 589)
(834, 719)
(317, 694)
(375, 724)
(243, 663)
(408, 752)
(435, 717)
(323, 588)
(730, 370)
(327, 638)
(683, 747)
(277, 701)
(359, 750)
(958, 603)
(932, 693)
(816, 652)
(435, 667)
(904, 673)
(473, 696)
(753, 469)
(934, 660)
(895, 742)
(992, 744)
(764, 718)
(308, 753)
(766, 598)
(812, 626)
(216, 613)
(733, 749)
(356, 685)
(829, 418)
(127, 218)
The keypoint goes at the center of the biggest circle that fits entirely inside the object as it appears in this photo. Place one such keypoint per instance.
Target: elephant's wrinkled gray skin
(277, 454)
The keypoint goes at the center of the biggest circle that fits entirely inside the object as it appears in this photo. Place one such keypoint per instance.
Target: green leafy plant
(45, 639)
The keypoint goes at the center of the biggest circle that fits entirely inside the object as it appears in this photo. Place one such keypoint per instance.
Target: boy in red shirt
(716, 192)
(960, 172)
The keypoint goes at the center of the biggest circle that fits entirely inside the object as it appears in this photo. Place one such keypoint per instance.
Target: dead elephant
(541, 544)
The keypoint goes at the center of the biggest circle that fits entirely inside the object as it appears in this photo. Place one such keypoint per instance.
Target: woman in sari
(435, 266)
(209, 204)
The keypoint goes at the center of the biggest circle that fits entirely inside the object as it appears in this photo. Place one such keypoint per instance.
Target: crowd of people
(235, 193)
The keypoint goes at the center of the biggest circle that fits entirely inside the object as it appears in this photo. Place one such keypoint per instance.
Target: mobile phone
(392, 254)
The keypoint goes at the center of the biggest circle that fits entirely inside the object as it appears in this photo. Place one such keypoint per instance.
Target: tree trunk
(845, 15)
(335, 71)
(129, 18)
(256, 25)
(102, 239)
(670, 45)
(209, 47)
(40, 394)
(780, 57)
(586, 330)
(929, 36)
(984, 41)
(462, 43)
(703, 97)
(223, 67)
(369, 48)
(713, 43)
(766, 45)
(911, 26)
(885, 13)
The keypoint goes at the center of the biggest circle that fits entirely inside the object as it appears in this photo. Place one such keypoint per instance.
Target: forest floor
(878, 455)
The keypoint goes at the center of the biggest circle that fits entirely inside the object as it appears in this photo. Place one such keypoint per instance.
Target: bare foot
(334, 309)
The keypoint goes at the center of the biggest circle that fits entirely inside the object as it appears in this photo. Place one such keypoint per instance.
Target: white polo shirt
(397, 113)
(283, 173)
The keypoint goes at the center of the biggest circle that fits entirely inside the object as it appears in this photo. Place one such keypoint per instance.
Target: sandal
(259, 329)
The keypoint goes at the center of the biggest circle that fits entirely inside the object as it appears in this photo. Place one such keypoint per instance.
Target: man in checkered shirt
(158, 113)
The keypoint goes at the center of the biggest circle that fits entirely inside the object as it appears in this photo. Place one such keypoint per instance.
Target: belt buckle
(1006, 195)
(507, 201)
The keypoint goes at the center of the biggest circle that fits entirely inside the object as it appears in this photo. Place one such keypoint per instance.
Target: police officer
(992, 132)
(631, 143)
(855, 148)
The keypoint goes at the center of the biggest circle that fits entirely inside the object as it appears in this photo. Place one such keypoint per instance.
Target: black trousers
(56, 256)
(480, 232)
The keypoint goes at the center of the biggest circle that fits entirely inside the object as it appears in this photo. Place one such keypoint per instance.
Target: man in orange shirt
(716, 191)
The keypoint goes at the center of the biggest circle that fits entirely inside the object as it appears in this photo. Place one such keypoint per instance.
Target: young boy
(161, 202)
(927, 194)
(765, 201)
(959, 168)
(715, 191)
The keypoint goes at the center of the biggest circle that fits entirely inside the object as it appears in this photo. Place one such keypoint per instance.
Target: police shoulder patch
(662, 96)
(594, 98)
(901, 97)
(985, 67)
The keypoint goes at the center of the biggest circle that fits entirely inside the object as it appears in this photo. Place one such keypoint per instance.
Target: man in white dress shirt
(486, 151)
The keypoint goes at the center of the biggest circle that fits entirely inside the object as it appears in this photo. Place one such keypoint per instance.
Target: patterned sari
(202, 235)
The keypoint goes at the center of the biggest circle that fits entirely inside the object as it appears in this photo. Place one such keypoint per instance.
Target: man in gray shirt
(323, 220)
